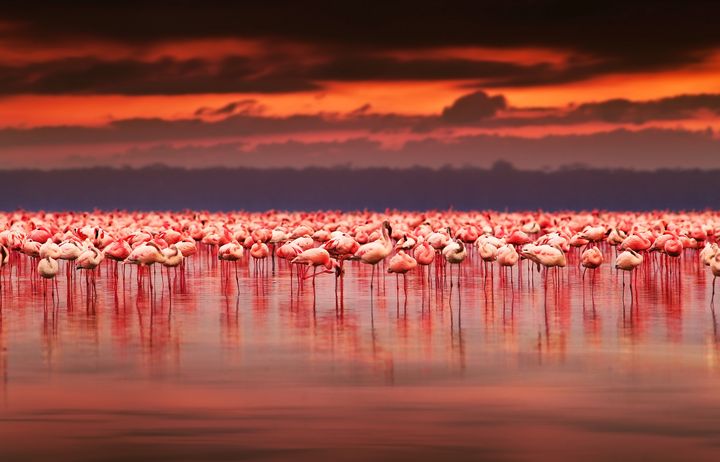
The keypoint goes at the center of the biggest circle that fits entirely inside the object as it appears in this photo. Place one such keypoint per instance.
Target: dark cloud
(607, 28)
(476, 109)
(638, 112)
(473, 107)
(138, 130)
(345, 41)
(362, 68)
(362, 110)
(166, 76)
(245, 107)
(489, 73)
(275, 74)
(618, 111)
(647, 149)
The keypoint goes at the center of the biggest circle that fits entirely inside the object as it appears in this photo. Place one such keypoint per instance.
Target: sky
(543, 85)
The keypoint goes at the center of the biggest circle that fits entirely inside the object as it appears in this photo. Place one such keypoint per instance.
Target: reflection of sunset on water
(251, 368)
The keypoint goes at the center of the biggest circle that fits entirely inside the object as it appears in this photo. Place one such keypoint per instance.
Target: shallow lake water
(496, 369)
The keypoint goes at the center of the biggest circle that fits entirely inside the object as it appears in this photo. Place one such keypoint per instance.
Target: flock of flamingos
(330, 242)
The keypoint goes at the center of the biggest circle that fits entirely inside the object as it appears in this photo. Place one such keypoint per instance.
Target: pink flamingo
(627, 261)
(591, 258)
(232, 251)
(715, 270)
(313, 258)
(374, 252)
(259, 251)
(401, 263)
(455, 253)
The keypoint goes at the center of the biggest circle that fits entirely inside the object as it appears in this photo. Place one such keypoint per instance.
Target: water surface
(490, 370)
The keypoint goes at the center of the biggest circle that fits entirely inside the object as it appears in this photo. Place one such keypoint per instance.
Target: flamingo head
(386, 225)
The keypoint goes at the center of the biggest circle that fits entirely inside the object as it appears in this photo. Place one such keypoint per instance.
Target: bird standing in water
(374, 252)
(314, 258)
(591, 258)
(48, 268)
(627, 261)
(455, 253)
(401, 263)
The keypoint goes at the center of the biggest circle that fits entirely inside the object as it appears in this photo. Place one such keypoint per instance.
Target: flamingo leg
(713, 291)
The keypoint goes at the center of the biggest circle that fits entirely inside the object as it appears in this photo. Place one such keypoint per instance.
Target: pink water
(487, 371)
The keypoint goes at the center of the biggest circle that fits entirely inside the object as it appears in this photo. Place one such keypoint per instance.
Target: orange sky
(55, 74)
(404, 97)
(384, 97)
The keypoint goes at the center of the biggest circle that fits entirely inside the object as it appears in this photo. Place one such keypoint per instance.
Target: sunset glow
(102, 76)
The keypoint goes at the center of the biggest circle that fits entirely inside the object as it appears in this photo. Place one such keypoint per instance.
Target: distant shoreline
(499, 188)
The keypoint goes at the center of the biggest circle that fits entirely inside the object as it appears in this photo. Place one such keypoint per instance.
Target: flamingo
(549, 256)
(288, 251)
(342, 246)
(40, 234)
(518, 238)
(488, 252)
(405, 243)
(636, 243)
(4, 259)
(118, 250)
(401, 263)
(708, 253)
(232, 251)
(439, 239)
(591, 258)
(546, 255)
(455, 253)
(593, 233)
(313, 258)
(615, 236)
(31, 248)
(627, 261)
(673, 248)
(187, 246)
(48, 267)
(374, 252)
(70, 250)
(89, 260)
(715, 270)
(172, 258)
(259, 251)
(4, 256)
(144, 256)
(507, 256)
(277, 236)
(49, 249)
(424, 255)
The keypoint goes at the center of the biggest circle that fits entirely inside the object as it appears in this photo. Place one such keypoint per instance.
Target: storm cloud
(342, 42)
